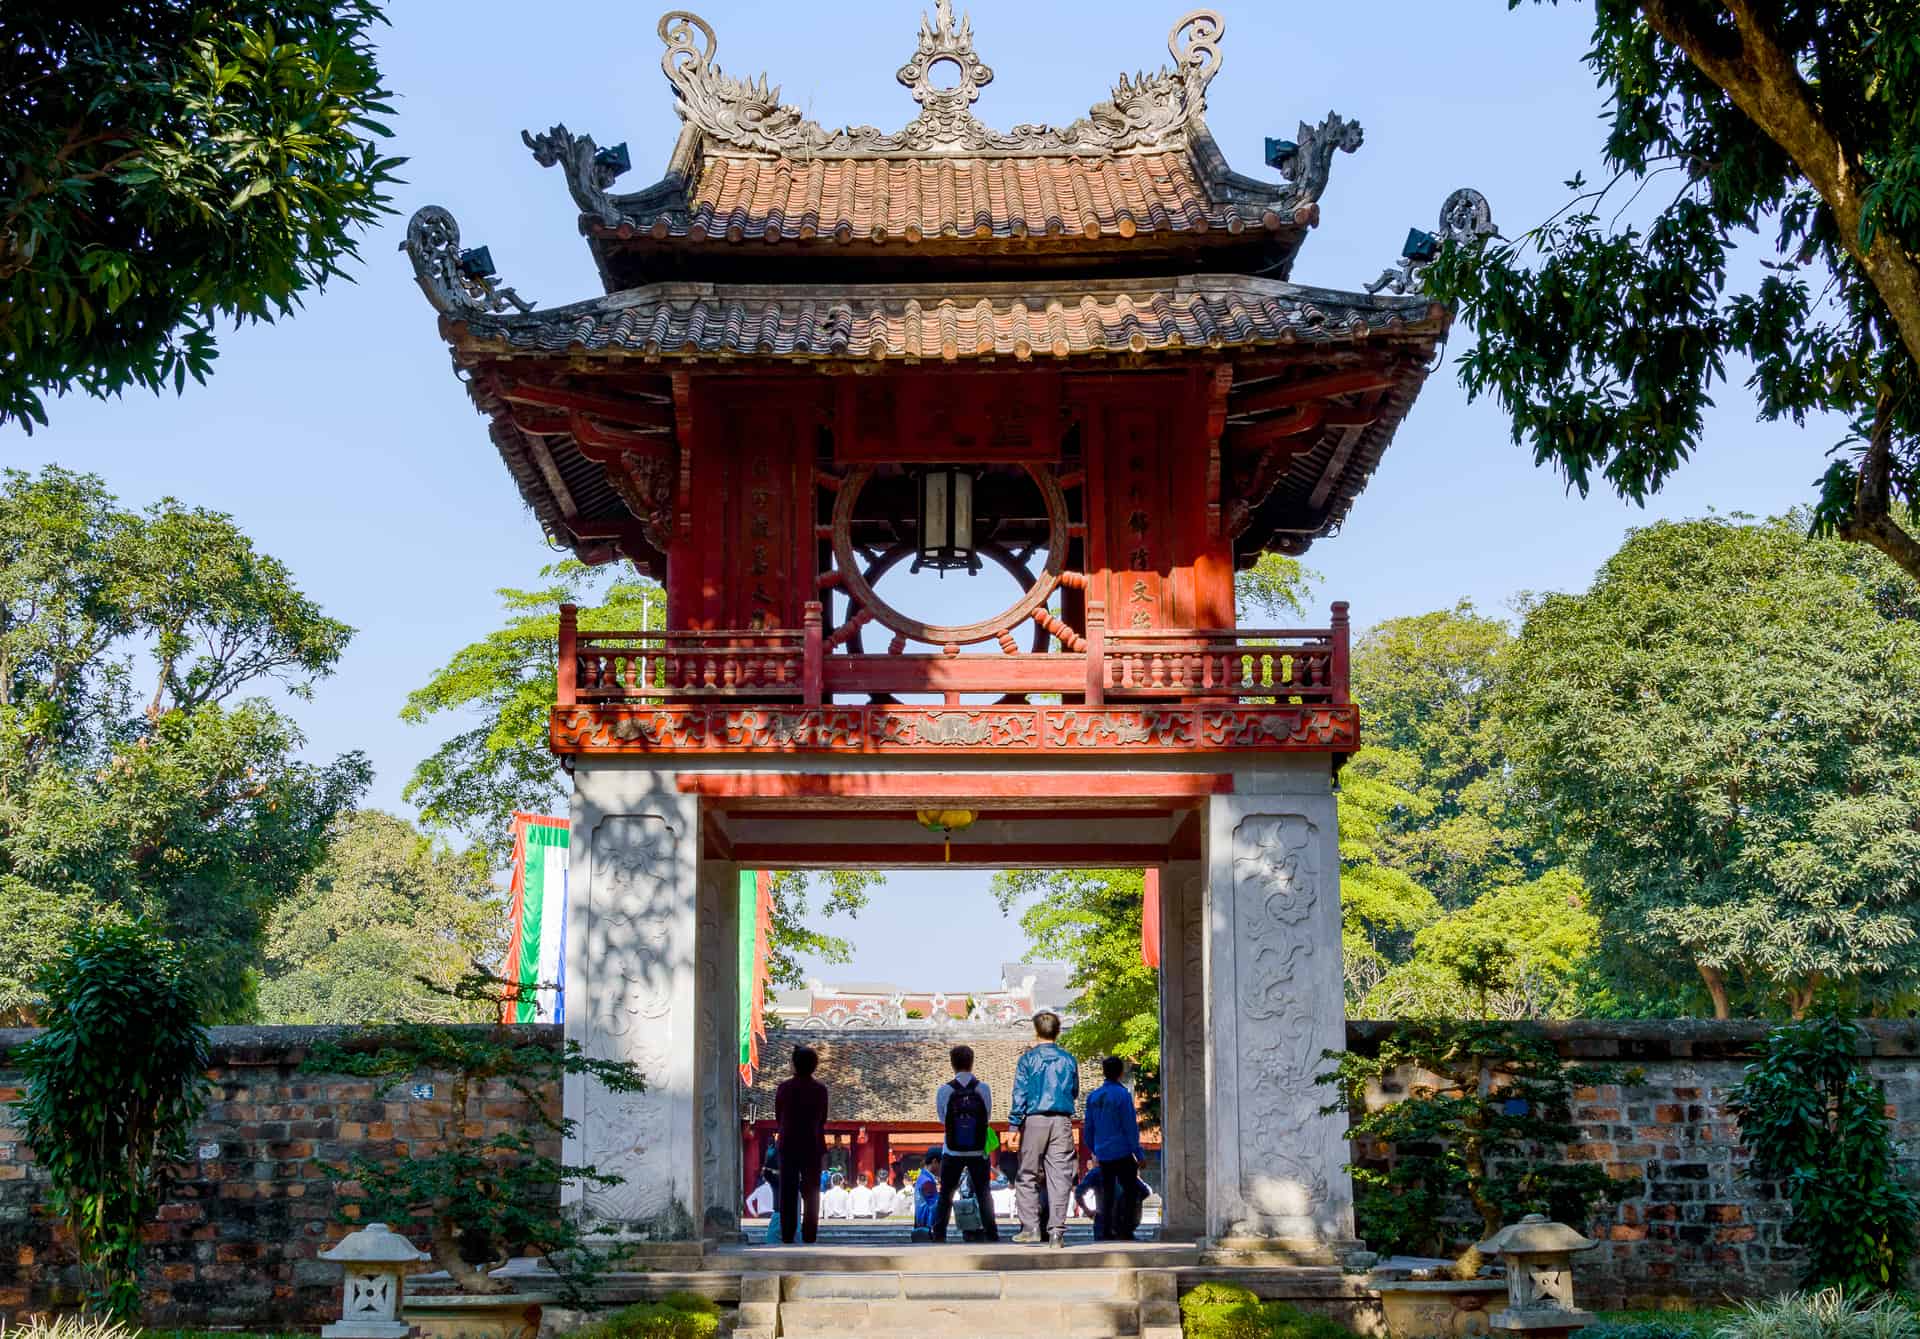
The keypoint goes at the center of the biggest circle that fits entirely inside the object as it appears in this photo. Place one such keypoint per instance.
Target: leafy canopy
(502, 690)
(165, 164)
(1788, 130)
(134, 781)
(114, 1085)
(382, 930)
(1723, 734)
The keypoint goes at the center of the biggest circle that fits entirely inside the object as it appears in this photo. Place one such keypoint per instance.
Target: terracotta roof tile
(758, 199)
(870, 323)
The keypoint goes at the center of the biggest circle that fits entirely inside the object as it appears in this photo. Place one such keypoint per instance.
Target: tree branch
(1872, 520)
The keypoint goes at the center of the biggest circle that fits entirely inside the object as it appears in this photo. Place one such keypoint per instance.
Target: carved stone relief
(1279, 997)
(632, 905)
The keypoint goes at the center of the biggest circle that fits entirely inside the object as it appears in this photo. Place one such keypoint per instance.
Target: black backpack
(966, 1118)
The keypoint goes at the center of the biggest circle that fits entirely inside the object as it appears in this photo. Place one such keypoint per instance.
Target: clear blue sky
(342, 443)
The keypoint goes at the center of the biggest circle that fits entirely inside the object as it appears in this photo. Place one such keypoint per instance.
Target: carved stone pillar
(719, 1051)
(1275, 1165)
(1183, 1039)
(631, 957)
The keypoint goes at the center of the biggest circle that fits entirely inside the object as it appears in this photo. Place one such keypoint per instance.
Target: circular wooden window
(861, 593)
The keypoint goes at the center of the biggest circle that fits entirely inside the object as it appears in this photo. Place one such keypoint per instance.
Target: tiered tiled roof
(748, 198)
(1122, 236)
(1090, 317)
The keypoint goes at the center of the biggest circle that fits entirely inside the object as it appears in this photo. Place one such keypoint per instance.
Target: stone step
(972, 1286)
(932, 1318)
(951, 1259)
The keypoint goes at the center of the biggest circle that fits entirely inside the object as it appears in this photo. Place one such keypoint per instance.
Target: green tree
(502, 689)
(114, 1085)
(382, 931)
(1525, 950)
(164, 165)
(1785, 129)
(1426, 686)
(1382, 907)
(178, 802)
(1091, 918)
(1723, 733)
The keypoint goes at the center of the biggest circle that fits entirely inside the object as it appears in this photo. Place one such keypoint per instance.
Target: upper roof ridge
(1145, 111)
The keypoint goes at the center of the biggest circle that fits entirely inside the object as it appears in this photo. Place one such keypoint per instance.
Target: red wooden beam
(1311, 389)
(1281, 428)
(630, 413)
(906, 855)
(954, 785)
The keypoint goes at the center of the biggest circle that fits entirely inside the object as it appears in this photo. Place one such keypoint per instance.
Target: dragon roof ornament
(1146, 111)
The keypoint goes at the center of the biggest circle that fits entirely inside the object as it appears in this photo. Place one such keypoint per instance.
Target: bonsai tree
(1482, 1133)
(114, 1085)
(481, 1198)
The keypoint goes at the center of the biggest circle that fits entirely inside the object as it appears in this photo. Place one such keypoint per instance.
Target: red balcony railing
(1306, 665)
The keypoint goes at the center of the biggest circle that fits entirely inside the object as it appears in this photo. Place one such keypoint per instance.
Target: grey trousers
(1046, 1149)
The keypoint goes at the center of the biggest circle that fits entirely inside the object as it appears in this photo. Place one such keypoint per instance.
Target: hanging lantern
(945, 516)
(946, 822)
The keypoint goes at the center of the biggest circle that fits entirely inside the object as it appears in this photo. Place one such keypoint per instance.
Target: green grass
(675, 1316)
(1221, 1311)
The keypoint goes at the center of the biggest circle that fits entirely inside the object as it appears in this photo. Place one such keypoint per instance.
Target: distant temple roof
(889, 1076)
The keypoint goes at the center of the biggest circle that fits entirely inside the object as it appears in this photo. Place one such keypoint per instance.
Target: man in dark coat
(800, 1107)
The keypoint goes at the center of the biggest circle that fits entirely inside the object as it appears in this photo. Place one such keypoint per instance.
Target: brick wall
(235, 1244)
(1699, 1228)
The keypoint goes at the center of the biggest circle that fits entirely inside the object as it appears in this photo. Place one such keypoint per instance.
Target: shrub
(481, 1199)
(1485, 1128)
(114, 1084)
(1817, 1123)
(1673, 1325)
(68, 1327)
(675, 1316)
(1830, 1313)
(1222, 1311)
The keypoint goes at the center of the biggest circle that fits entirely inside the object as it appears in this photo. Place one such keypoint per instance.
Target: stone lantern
(1539, 1260)
(376, 1257)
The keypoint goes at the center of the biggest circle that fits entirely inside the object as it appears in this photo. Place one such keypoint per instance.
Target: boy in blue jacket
(1046, 1086)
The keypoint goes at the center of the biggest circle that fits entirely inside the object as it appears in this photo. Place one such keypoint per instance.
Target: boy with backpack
(964, 1106)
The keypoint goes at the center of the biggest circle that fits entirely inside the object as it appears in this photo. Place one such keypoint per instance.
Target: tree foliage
(134, 781)
(1481, 1135)
(382, 930)
(1427, 686)
(1787, 129)
(502, 690)
(166, 164)
(114, 1084)
(481, 1199)
(1817, 1124)
(1724, 734)
(1523, 950)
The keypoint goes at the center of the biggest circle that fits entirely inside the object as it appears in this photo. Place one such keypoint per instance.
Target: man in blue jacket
(1046, 1085)
(1113, 1135)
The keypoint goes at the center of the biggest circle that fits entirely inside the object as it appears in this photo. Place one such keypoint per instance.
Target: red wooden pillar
(1342, 655)
(749, 1158)
(567, 670)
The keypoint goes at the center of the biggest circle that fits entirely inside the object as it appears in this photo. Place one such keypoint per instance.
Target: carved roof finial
(1145, 111)
(946, 116)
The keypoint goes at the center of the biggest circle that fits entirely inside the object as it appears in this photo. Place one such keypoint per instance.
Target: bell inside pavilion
(1074, 354)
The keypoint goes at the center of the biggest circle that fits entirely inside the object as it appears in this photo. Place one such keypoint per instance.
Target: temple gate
(1073, 353)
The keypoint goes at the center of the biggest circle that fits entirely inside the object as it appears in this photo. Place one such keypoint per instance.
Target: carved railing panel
(1283, 664)
(635, 667)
